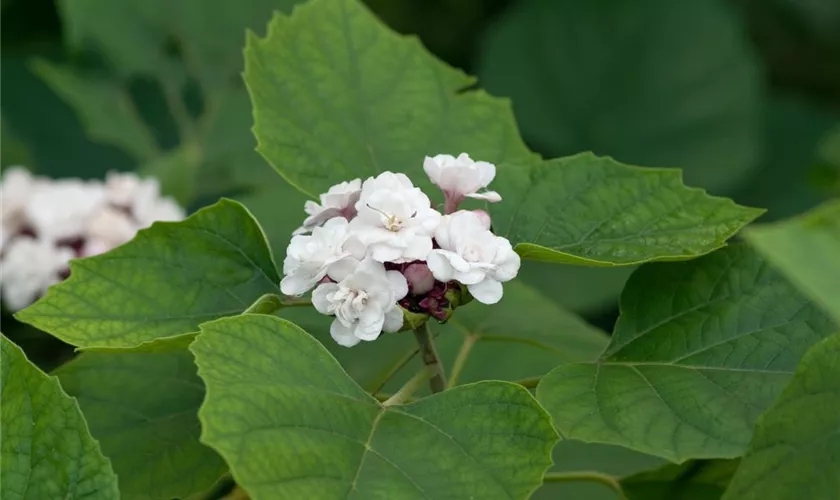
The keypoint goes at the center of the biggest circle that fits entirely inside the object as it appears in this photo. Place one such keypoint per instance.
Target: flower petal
(487, 172)
(488, 291)
(432, 170)
(471, 276)
(343, 335)
(370, 330)
(439, 264)
(393, 320)
(489, 196)
(398, 283)
(319, 297)
(342, 268)
(296, 284)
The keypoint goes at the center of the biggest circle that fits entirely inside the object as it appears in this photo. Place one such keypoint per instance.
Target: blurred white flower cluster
(46, 222)
(369, 248)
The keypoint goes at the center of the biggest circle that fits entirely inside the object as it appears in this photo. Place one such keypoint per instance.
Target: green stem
(410, 387)
(586, 475)
(270, 303)
(461, 359)
(408, 356)
(430, 357)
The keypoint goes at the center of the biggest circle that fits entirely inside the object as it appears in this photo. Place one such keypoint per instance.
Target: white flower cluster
(46, 222)
(370, 248)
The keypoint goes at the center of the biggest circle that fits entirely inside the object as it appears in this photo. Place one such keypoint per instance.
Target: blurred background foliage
(743, 95)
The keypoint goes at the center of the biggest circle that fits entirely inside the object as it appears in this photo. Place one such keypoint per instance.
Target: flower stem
(430, 357)
(461, 359)
(585, 475)
(410, 387)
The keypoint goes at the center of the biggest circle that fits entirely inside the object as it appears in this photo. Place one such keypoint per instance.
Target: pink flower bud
(484, 217)
(419, 277)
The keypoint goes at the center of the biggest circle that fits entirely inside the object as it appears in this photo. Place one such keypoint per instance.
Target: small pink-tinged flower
(364, 303)
(339, 201)
(461, 178)
(473, 256)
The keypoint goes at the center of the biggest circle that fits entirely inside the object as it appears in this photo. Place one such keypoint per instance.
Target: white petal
(398, 283)
(382, 252)
(470, 277)
(296, 284)
(370, 330)
(418, 248)
(355, 247)
(342, 268)
(342, 334)
(507, 262)
(487, 172)
(393, 320)
(488, 291)
(319, 297)
(311, 208)
(432, 170)
(439, 264)
(490, 196)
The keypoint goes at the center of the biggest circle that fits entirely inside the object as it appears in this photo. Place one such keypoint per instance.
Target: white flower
(28, 268)
(329, 251)
(394, 219)
(111, 226)
(16, 189)
(161, 209)
(473, 256)
(64, 208)
(364, 303)
(122, 188)
(461, 177)
(339, 201)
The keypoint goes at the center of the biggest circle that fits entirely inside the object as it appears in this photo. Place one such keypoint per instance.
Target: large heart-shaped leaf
(628, 79)
(806, 249)
(700, 350)
(47, 450)
(164, 282)
(142, 406)
(291, 424)
(337, 95)
(796, 448)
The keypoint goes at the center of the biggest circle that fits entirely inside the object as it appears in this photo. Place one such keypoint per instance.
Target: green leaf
(629, 80)
(188, 50)
(165, 282)
(795, 452)
(806, 250)
(594, 211)
(291, 424)
(337, 95)
(693, 480)
(142, 405)
(700, 350)
(47, 450)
